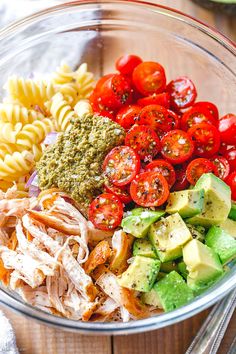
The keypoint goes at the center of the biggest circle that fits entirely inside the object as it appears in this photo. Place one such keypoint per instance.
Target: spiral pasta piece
(84, 80)
(37, 152)
(28, 92)
(16, 165)
(34, 133)
(8, 132)
(63, 75)
(62, 112)
(70, 92)
(82, 108)
(13, 113)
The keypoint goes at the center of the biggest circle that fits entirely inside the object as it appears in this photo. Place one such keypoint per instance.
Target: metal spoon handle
(210, 335)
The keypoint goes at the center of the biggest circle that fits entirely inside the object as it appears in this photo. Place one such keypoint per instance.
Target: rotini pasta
(62, 112)
(16, 165)
(13, 113)
(28, 92)
(70, 92)
(84, 80)
(8, 132)
(34, 133)
(82, 108)
(63, 75)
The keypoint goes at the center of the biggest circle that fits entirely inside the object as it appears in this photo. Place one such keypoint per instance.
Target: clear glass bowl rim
(222, 288)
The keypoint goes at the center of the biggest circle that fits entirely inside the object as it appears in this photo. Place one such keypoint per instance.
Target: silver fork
(210, 335)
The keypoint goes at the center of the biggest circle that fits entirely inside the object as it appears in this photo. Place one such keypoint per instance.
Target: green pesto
(74, 162)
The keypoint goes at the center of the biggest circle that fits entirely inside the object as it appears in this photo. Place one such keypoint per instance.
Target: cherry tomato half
(222, 165)
(121, 165)
(176, 146)
(143, 140)
(175, 120)
(99, 108)
(161, 99)
(164, 168)
(157, 117)
(206, 139)
(127, 63)
(149, 77)
(198, 167)
(227, 129)
(182, 92)
(149, 189)
(196, 115)
(230, 155)
(116, 91)
(231, 181)
(120, 192)
(127, 116)
(181, 178)
(211, 107)
(106, 211)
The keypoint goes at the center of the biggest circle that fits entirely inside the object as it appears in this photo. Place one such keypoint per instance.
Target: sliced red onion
(33, 180)
(50, 138)
(34, 191)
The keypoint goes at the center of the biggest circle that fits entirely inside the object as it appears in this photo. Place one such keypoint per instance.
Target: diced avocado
(232, 213)
(222, 243)
(172, 291)
(151, 298)
(138, 223)
(168, 237)
(167, 267)
(203, 265)
(182, 268)
(198, 232)
(143, 247)
(187, 203)
(217, 201)
(141, 274)
(229, 226)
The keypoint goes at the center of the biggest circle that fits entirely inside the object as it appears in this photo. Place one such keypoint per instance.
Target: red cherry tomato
(206, 139)
(149, 77)
(127, 63)
(127, 116)
(230, 155)
(181, 178)
(143, 140)
(176, 146)
(106, 211)
(227, 129)
(175, 120)
(120, 192)
(157, 117)
(121, 165)
(222, 165)
(196, 115)
(211, 107)
(182, 92)
(99, 108)
(101, 81)
(198, 167)
(161, 99)
(116, 91)
(164, 168)
(149, 189)
(231, 181)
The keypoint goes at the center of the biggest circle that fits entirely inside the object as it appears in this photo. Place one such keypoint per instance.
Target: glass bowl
(97, 33)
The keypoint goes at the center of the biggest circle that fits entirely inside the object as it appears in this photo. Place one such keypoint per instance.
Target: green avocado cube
(182, 269)
(232, 213)
(143, 247)
(187, 202)
(172, 291)
(217, 201)
(229, 226)
(197, 231)
(168, 236)
(140, 220)
(203, 265)
(141, 274)
(151, 298)
(222, 243)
